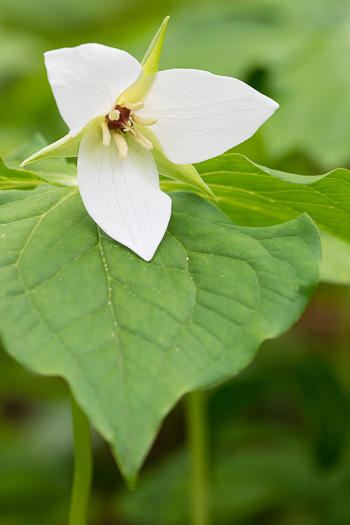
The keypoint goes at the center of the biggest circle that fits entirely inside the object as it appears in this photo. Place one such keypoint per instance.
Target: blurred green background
(279, 437)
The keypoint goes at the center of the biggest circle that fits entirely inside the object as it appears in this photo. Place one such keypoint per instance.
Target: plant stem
(197, 441)
(82, 467)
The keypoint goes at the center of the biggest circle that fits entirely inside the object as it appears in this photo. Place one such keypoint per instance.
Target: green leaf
(253, 195)
(132, 337)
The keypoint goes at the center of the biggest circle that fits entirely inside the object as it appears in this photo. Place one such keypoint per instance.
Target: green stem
(197, 441)
(82, 467)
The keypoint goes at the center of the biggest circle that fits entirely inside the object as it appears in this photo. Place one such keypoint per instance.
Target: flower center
(120, 121)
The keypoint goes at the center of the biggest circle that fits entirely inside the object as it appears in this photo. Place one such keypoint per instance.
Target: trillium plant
(138, 277)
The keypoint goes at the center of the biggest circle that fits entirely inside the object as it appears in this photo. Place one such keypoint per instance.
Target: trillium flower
(121, 120)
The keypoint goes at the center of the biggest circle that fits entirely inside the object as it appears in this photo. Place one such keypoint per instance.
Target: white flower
(193, 115)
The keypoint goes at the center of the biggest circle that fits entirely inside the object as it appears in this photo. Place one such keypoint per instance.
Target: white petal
(87, 80)
(123, 196)
(201, 115)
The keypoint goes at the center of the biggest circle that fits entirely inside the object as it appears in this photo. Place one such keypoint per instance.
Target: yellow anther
(144, 121)
(106, 136)
(133, 107)
(122, 145)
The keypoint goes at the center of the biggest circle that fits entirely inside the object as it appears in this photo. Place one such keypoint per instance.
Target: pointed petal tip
(270, 105)
(147, 257)
(273, 104)
(239, 109)
(148, 250)
(144, 250)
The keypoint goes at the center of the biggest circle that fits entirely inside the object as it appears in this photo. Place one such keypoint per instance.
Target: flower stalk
(198, 446)
(82, 467)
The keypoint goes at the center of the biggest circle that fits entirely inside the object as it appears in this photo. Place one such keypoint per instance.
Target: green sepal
(67, 146)
(181, 172)
(140, 88)
(151, 59)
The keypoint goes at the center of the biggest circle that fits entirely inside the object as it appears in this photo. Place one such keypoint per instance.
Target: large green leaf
(132, 337)
(257, 196)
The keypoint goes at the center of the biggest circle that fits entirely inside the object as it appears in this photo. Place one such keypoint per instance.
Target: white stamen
(129, 105)
(122, 145)
(114, 115)
(144, 121)
(106, 136)
(141, 139)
